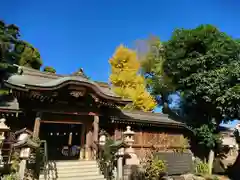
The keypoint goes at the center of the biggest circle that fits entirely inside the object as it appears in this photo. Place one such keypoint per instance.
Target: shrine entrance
(63, 140)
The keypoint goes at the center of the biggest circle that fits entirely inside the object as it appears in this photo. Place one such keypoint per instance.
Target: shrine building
(68, 111)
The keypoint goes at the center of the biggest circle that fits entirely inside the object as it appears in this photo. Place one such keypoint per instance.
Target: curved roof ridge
(35, 72)
(64, 79)
(58, 77)
(145, 113)
(28, 78)
(149, 117)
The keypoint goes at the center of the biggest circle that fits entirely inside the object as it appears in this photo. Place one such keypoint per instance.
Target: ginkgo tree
(126, 80)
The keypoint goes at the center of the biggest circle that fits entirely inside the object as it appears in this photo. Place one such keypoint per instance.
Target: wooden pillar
(95, 136)
(88, 141)
(37, 123)
(95, 128)
(117, 133)
(82, 150)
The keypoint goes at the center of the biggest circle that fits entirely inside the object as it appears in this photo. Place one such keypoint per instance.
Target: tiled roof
(35, 78)
(8, 103)
(147, 117)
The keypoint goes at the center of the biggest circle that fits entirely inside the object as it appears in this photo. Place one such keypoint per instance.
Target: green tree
(28, 56)
(49, 69)
(16, 51)
(152, 58)
(8, 37)
(203, 65)
(126, 80)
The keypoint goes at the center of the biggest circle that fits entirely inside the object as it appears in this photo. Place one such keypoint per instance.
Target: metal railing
(42, 159)
(45, 158)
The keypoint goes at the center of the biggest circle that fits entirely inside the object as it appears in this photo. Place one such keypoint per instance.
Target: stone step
(66, 170)
(88, 166)
(64, 163)
(79, 173)
(73, 177)
(76, 170)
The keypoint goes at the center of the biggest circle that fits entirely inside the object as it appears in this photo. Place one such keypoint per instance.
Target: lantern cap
(128, 131)
(119, 144)
(103, 132)
(3, 126)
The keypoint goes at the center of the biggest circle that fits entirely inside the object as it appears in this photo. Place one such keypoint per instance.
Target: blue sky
(84, 33)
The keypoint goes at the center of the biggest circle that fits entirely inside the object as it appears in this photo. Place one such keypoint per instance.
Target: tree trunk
(210, 161)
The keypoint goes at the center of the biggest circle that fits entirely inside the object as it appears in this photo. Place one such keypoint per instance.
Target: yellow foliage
(126, 80)
(124, 59)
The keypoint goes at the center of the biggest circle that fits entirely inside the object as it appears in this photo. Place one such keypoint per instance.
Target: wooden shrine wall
(147, 142)
(152, 139)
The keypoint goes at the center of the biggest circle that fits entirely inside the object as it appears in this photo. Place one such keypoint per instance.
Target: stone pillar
(120, 155)
(120, 168)
(88, 142)
(37, 123)
(22, 168)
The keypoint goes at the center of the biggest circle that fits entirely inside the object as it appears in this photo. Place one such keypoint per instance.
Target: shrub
(155, 169)
(137, 173)
(182, 144)
(211, 178)
(12, 176)
(201, 167)
(107, 159)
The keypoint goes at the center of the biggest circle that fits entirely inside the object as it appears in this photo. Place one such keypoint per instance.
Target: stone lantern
(238, 128)
(119, 147)
(101, 142)
(26, 146)
(128, 139)
(3, 128)
(102, 139)
(237, 135)
(128, 136)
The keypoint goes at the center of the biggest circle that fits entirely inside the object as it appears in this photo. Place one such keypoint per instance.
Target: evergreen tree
(203, 66)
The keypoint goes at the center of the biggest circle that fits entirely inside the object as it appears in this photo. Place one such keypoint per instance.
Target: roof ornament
(20, 70)
(81, 73)
(16, 69)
